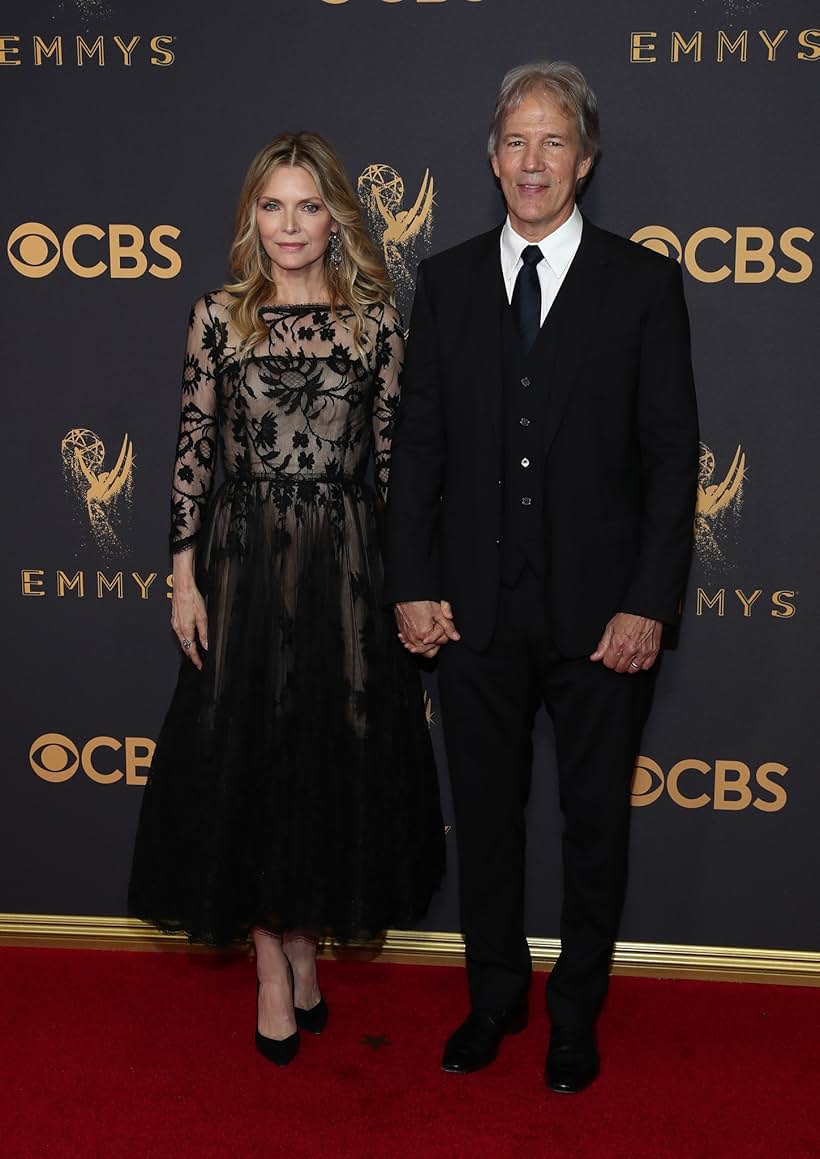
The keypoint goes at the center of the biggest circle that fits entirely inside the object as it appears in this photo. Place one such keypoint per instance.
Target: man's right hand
(424, 625)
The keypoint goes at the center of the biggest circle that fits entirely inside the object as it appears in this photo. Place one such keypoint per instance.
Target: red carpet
(151, 1056)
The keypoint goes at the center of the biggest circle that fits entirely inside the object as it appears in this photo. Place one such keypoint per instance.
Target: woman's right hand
(189, 619)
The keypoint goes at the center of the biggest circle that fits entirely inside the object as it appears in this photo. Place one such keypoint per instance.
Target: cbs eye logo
(88, 251)
(56, 758)
(749, 255)
(728, 786)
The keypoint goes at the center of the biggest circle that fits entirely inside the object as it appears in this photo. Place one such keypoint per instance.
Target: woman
(293, 791)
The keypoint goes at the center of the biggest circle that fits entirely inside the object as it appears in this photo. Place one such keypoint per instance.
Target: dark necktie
(526, 299)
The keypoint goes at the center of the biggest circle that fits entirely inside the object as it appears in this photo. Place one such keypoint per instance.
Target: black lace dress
(293, 782)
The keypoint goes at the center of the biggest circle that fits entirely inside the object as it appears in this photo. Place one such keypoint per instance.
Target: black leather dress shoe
(475, 1043)
(572, 1061)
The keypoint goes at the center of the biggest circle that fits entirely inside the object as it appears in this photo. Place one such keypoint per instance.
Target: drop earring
(335, 246)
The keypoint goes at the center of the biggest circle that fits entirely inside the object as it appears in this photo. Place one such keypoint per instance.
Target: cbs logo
(88, 251)
(748, 255)
(56, 758)
(729, 786)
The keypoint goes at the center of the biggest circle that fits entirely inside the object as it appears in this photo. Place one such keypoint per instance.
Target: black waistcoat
(525, 399)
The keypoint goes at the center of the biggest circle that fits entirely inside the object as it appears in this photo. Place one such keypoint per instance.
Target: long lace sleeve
(196, 443)
(389, 361)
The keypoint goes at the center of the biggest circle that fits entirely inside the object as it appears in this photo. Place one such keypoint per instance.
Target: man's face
(538, 161)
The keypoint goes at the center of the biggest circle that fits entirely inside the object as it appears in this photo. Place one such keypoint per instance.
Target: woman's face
(294, 223)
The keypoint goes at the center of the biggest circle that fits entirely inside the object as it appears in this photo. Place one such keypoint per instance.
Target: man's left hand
(629, 644)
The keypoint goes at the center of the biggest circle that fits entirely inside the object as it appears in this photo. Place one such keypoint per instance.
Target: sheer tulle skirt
(293, 783)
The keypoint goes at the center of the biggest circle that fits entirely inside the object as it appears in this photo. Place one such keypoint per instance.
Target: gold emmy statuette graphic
(100, 493)
(401, 231)
(716, 500)
(714, 497)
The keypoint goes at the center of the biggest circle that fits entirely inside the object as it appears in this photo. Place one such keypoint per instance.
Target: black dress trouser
(488, 702)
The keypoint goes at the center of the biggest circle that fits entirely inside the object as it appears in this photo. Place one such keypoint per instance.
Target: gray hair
(560, 79)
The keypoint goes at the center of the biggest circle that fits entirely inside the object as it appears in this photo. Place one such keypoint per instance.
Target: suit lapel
(488, 300)
(572, 321)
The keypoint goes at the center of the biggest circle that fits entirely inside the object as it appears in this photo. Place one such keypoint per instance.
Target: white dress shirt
(558, 248)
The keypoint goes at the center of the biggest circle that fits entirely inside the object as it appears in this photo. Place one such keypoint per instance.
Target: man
(542, 495)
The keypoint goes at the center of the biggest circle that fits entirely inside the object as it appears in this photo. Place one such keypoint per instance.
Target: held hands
(424, 625)
(189, 619)
(629, 643)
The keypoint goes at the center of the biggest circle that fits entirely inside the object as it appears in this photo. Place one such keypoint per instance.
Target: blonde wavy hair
(360, 280)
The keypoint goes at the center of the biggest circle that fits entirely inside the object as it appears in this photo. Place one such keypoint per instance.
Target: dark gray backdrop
(688, 145)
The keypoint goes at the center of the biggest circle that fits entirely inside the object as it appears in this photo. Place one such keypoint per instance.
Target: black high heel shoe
(314, 1020)
(278, 1050)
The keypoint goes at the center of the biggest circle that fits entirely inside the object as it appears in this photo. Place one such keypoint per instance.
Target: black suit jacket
(620, 440)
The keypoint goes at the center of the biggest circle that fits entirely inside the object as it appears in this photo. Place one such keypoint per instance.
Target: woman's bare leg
(275, 1015)
(300, 949)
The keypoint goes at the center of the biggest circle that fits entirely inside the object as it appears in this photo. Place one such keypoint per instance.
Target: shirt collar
(558, 247)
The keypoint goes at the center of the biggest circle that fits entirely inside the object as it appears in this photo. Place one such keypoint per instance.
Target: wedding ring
(632, 664)
(186, 644)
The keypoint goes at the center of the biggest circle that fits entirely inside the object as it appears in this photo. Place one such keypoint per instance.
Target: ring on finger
(632, 664)
(186, 644)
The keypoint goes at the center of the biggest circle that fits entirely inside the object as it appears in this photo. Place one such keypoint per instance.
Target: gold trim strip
(647, 959)
(640, 959)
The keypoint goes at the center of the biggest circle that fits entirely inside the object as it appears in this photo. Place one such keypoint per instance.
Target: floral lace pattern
(293, 784)
(300, 411)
